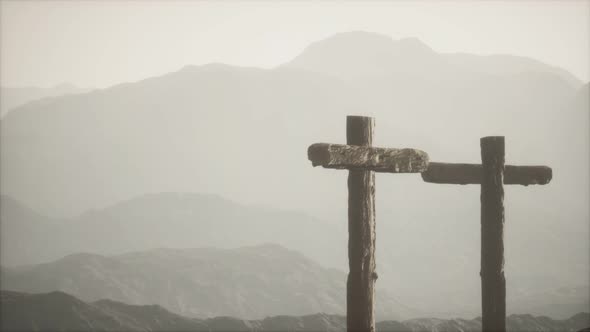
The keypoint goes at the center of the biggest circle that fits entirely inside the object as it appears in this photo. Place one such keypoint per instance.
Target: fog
(196, 133)
(98, 44)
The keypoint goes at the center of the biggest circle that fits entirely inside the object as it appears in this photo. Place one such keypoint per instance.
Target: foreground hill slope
(172, 220)
(249, 282)
(60, 311)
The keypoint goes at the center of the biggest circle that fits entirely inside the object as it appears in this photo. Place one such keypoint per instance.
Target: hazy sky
(97, 44)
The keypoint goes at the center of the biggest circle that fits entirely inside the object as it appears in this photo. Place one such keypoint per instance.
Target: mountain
(60, 311)
(249, 282)
(242, 133)
(353, 55)
(12, 97)
(560, 302)
(27, 236)
(171, 220)
(57, 311)
(154, 135)
(176, 220)
(513, 323)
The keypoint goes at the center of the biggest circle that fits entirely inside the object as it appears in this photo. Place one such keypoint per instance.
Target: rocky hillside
(249, 282)
(174, 220)
(57, 311)
(60, 311)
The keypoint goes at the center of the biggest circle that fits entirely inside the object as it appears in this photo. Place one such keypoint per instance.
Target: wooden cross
(491, 175)
(362, 160)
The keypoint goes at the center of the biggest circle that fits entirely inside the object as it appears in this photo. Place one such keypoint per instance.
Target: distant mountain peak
(361, 38)
(211, 65)
(414, 43)
(363, 53)
(366, 42)
(355, 36)
(215, 67)
(356, 54)
(66, 86)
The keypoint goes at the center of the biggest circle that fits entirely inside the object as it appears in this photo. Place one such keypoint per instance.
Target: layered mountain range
(60, 311)
(84, 163)
(171, 277)
(249, 282)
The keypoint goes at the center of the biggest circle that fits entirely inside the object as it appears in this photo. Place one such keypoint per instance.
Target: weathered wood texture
(341, 156)
(493, 283)
(361, 234)
(448, 173)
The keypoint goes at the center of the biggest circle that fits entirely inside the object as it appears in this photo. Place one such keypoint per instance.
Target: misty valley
(185, 201)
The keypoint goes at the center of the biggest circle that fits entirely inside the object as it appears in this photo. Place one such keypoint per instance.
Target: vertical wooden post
(361, 233)
(493, 283)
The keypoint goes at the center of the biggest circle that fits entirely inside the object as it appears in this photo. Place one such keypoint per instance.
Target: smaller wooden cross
(362, 161)
(492, 175)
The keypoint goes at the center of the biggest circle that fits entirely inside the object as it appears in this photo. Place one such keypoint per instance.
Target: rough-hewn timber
(492, 174)
(361, 233)
(341, 156)
(448, 173)
(493, 283)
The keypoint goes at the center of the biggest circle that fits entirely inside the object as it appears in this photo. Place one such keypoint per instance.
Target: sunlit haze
(98, 44)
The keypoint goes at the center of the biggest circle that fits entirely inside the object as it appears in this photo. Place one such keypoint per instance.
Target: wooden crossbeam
(387, 160)
(492, 175)
(448, 173)
(362, 161)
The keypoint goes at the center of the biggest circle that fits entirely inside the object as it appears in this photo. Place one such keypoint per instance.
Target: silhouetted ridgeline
(175, 133)
(60, 311)
(248, 282)
(173, 220)
(11, 97)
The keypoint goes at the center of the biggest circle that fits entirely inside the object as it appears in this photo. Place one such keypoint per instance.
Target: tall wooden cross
(362, 160)
(492, 175)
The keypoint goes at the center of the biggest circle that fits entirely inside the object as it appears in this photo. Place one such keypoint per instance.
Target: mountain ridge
(202, 221)
(243, 135)
(380, 48)
(407, 44)
(13, 97)
(249, 282)
(192, 220)
(21, 311)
